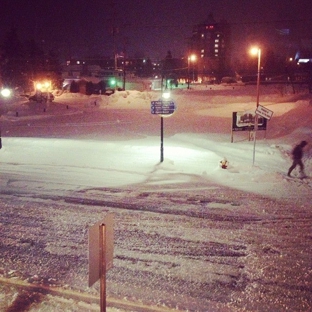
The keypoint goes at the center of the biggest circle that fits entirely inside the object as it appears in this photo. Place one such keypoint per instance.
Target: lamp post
(256, 51)
(191, 58)
(165, 96)
(6, 93)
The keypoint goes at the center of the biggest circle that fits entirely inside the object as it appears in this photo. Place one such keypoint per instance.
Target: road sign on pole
(264, 112)
(163, 107)
(94, 246)
(101, 245)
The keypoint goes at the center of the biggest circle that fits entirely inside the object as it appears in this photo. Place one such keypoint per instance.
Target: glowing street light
(166, 95)
(43, 86)
(190, 59)
(256, 51)
(47, 84)
(6, 92)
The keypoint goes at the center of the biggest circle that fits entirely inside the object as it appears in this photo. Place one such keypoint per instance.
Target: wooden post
(103, 267)
(161, 139)
(232, 128)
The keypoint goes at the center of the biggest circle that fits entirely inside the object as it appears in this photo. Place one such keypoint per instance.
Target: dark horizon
(149, 28)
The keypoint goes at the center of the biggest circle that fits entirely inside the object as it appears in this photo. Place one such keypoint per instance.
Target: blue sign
(162, 107)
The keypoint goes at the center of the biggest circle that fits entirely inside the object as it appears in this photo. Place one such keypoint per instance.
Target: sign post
(264, 112)
(164, 108)
(161, 139)
(101, 249)
(251, 120)
(245, 121)
(102, 269)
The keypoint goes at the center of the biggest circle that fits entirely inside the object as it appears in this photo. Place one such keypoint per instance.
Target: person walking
(297, 154)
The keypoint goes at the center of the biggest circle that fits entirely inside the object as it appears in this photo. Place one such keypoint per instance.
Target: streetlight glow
(191, 58)
(256, 51)
(166, 95)
(6, 92)
(43, 86)
(47, 84)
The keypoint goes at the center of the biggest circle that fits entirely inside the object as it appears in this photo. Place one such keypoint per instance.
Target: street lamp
(6, 92)
(191, 58)
(166, 95)
(256, 51)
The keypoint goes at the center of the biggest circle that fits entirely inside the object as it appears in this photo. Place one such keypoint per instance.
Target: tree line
(23, 63)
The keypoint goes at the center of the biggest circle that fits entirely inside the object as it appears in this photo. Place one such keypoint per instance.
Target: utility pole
(114, 31)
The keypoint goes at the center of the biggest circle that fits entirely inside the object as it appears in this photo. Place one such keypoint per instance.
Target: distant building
(303, 63)
(210, 42)
(90, 71)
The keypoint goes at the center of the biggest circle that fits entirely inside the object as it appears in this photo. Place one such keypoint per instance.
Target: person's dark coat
(297, 153)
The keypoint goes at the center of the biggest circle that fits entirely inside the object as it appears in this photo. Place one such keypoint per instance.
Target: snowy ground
(197, 137)
(99, 148)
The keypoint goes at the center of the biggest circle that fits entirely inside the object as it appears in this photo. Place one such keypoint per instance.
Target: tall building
(210, 42)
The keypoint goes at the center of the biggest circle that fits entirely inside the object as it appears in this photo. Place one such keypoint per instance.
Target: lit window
(202, 51)
(203, 35)
(216, 50)
(216, 45)
(303, 60)
(216, 40)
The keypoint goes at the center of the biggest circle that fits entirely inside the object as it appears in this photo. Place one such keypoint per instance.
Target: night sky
(147, 28)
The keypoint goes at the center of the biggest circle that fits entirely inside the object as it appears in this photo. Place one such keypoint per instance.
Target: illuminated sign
(162, 107)
(245, 121)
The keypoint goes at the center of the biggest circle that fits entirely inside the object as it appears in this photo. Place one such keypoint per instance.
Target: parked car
(228, 80)
(42, 97)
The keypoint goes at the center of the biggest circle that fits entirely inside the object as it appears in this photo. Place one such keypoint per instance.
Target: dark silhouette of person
(297, 154)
